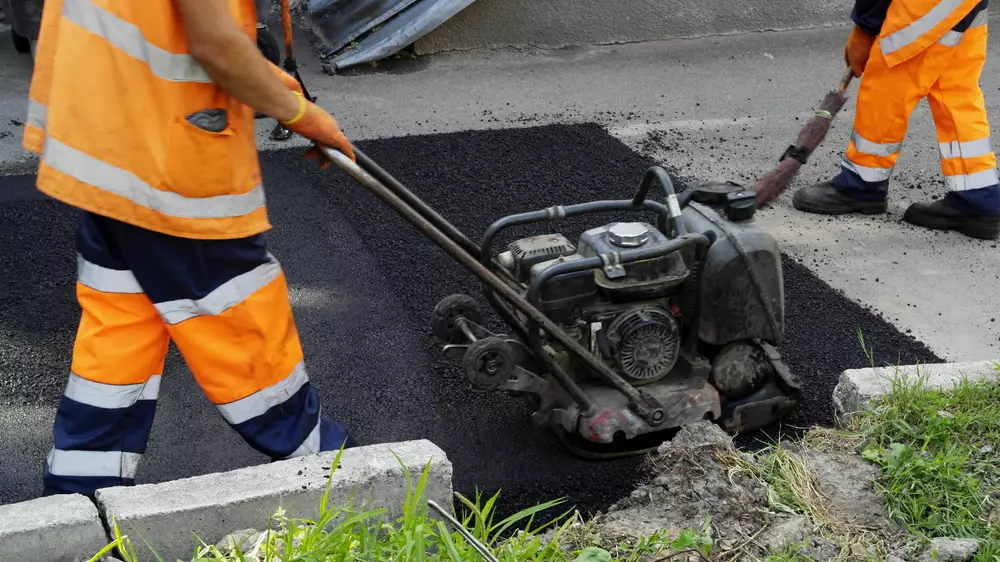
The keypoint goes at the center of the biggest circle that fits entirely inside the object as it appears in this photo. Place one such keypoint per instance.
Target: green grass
(939, 457)
(347, 533)
(938, 454)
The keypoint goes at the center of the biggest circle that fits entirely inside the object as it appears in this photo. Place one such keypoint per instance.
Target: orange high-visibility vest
(913, 25)
(129, 126)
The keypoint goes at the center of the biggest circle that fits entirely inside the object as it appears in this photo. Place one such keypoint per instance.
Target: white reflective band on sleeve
(311, 445)
(38, 114)
(970, 149)
(111, 396)
(129, 38)
(260, 402)
(90, 170)
(875, 149)
(104, 279)
(870, 175)
(115, 464)
(225, 296)
(899, 39)
(978, 180)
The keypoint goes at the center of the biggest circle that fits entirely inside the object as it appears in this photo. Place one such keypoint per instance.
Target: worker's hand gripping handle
(345, 163)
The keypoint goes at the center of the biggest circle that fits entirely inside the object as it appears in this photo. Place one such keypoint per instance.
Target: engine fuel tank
(648, 279)
(742, 287)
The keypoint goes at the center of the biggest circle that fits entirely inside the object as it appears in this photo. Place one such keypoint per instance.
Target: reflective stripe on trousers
(948, 77)
(224, 304)
(100, 434)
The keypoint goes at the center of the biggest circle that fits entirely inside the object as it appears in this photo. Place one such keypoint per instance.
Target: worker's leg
(104, 418)
(886, 98)
(225, 303)
(967, 158)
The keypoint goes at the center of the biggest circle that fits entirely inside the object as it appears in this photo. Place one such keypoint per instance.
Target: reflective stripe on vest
(37, 114)
(129, 38)
(953, 38)
(911, 33)
(90, 170)
(118, 139)
(41, 79)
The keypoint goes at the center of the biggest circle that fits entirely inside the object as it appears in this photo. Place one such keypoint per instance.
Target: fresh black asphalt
(364, 284)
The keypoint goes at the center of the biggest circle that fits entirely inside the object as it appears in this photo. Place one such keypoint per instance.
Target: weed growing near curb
(937, 452)
(349, 533)
(939, 459)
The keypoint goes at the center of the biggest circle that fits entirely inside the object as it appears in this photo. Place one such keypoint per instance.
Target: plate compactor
(620, 337)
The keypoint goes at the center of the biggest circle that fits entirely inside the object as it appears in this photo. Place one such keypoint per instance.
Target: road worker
(142, 112)
(908, 50)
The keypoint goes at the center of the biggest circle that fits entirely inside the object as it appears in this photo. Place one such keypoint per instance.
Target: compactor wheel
(444, 320)
(488, 363)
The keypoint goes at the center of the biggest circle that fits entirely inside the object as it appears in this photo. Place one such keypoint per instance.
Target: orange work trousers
(947, 74)
(225, 305)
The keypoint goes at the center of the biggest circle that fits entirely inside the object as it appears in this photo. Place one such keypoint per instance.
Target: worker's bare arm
(233, 60)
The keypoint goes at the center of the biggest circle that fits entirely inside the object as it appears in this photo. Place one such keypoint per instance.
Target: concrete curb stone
(55, 529)
(168, 515)
(858, 387)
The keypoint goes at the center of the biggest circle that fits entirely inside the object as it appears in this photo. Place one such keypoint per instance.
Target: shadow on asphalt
(363, 286)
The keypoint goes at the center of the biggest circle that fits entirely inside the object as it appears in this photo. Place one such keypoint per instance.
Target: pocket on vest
(199, 158)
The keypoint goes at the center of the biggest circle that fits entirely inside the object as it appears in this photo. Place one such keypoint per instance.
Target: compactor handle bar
(644, 405)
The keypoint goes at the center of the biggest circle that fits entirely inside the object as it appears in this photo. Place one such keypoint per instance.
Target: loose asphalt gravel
(363, 285)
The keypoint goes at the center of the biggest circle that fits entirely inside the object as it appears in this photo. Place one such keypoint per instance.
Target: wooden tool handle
(845, 82)
(286, 24)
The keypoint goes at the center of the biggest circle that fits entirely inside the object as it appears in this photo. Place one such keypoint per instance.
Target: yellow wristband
(302, 109)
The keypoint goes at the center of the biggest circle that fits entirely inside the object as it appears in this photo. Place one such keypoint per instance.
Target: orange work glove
(287, 79)
(858, 50)
(314, 123)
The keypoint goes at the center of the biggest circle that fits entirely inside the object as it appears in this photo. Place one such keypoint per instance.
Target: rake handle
(845, 82)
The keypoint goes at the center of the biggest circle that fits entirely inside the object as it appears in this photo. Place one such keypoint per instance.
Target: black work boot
(825, 199)
(942, 215)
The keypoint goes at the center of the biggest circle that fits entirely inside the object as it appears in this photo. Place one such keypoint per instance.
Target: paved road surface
(363, 283)
(728, 106)
(708, 108)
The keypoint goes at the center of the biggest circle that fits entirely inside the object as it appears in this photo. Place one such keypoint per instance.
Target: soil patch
(824, 508)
